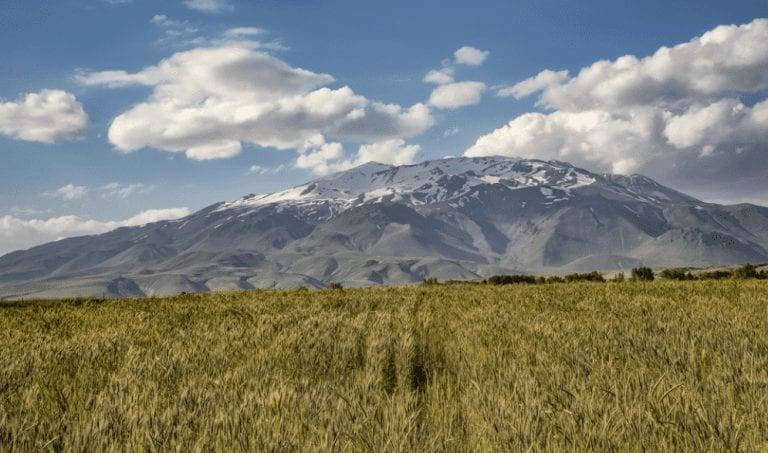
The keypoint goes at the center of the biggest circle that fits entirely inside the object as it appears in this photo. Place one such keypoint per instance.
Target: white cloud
(17, 233)
(726, 60)
(450, 132)
(240, 32)
(393, 152)
(207, 101)
(463, 56)
(173, 27)
(675, 114)
(326, 159)
(69, 192)
(330, 157)
(439, 76)
(470, 56)
(543, 80)
(629, 140)
(456, 95)
(72, 192)
(115, 79)
(451, 94)
(594, 138)
(209, 6)
(176, 32)
(162, 20)
(154, 215)
(259, 170)
(120, 190)
(45, 116)
(383, 121)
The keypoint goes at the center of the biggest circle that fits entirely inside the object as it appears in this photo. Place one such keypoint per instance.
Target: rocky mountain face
(458, 218)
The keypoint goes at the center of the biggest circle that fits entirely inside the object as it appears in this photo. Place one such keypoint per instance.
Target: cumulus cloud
(470, 56)
(682, 114)
(69, 192)
(541, 81)
(456, 95)
(17, 233)
(382, 122)
(450, 94)
(208, 101)
(594, 138)
(45, 116)
(439, 76)
(330, 157)
(393, 152)
(726, 60)
(209, 6)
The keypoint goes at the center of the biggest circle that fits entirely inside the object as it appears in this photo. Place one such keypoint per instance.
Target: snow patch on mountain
(451, 179)
(425, 183)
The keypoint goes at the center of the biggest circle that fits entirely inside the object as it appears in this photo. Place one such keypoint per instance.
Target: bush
(677, 274)
(746, 271)
(619, 277)
(715, 275)
(555, 279)
(588, 277)
(430, 282)
(463, 282)
(335, 286)
(511, 279)
(643, 274)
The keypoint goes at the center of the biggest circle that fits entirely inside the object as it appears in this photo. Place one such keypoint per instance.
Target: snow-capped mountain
(376, 223)
(450, 179)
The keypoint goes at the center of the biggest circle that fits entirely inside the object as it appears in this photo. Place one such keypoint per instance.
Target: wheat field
(656, 366)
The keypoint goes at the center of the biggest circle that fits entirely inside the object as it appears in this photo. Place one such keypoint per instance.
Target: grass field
(657, 366)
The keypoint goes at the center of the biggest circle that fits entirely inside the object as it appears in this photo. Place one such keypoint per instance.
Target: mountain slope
(373, 224)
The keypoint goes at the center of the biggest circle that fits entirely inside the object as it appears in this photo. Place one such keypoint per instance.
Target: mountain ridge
(458, 218)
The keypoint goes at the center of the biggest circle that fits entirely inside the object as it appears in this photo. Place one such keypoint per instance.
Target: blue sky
(381, 51)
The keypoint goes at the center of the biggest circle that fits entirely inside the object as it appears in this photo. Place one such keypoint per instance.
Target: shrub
(555, 279)
(619, 277)
(511, 279)
(430, 282)
(677, 274)
(463, 282)
(644, 274)
(746, 271)
(588, 277)
(335, 286)
(715, 275)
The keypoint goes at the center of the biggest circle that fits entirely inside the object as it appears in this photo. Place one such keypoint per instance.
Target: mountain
(457, 218)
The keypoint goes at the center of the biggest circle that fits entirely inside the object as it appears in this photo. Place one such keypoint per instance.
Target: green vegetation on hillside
(659, 366)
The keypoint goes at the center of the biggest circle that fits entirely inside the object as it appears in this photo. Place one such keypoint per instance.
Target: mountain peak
(442, 180)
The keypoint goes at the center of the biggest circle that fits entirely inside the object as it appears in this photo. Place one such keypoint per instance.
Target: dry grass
(621, 366)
